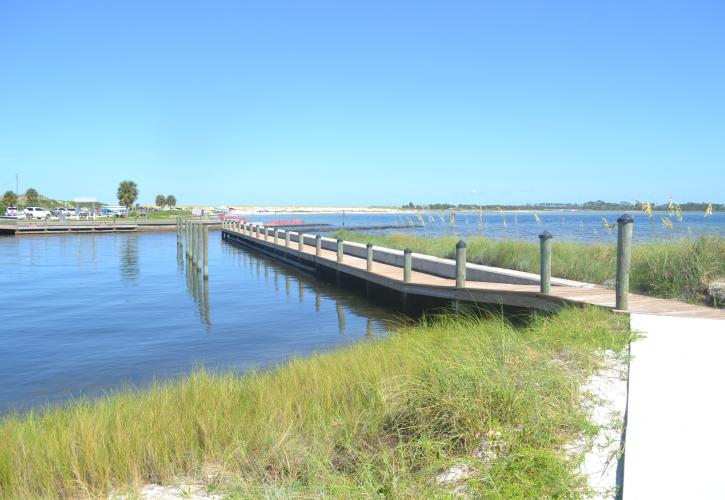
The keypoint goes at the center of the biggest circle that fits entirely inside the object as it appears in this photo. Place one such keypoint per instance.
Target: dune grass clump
(382, 417)
(674, 269)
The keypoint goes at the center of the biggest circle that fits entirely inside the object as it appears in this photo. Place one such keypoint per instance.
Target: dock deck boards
(478, 291)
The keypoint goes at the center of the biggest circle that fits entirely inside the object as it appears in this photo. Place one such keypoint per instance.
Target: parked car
(14, 212)
(36, 213)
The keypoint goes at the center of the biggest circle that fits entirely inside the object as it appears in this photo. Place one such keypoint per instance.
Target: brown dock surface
(424, 284)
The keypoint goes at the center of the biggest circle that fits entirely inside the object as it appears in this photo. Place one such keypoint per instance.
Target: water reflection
(309, 289)
(197, 287)
(152, 316)
(340, 317)
(129, 260)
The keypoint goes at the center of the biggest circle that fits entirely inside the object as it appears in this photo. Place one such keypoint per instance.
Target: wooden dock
(319, 255)
(55, 227)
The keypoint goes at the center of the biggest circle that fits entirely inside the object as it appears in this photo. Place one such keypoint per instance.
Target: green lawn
(382, 417)
(158, 214)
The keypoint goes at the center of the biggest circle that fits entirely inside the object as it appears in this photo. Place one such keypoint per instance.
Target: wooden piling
(340, 250)
(318, 245)
(276, 236)
(199, 246)
(206, 252)
(286, 237)
(407, 265)
(301, 241)
(625, 226)
(369, 248)
(461, 264)
(188, 239)
(545, 261)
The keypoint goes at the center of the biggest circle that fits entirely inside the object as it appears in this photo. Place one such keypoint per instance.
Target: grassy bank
(679, 269)
(381, 417)
(159, 214)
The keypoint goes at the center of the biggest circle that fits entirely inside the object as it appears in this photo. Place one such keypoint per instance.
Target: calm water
(565, 225)
(83, 314)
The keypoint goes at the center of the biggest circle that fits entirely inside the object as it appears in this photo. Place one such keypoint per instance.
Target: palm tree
(10, 199)
(171, 200)
(31, 197)
(160, 200)
(127, 194)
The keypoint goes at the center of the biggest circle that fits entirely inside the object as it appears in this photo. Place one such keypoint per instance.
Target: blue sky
(363, 103)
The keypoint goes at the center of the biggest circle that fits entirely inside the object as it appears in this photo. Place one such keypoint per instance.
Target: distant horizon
(539, 205)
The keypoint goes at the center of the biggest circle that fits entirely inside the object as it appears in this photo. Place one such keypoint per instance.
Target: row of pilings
(192, 245)
(192, 240)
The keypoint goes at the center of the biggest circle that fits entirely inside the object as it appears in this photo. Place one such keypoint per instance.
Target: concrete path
(675, 441)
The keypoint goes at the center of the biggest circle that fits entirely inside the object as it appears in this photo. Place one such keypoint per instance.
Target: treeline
(589, 205)
(32, 198)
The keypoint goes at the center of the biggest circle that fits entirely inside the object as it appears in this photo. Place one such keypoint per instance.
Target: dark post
(340, 249)
(192, 240)
(370, 257)
(187, 238)
(545, 257)
(407, 265)
(461, 264)
(625, 225)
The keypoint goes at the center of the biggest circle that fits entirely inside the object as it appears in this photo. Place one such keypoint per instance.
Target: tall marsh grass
(380, 418)
(678, 269)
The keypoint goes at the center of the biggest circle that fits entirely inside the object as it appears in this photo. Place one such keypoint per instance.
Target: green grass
(380, 418)
(159, 214)
(679, 269)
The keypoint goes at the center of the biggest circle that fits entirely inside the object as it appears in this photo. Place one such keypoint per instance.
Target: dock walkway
(58, 227)
(430, 284)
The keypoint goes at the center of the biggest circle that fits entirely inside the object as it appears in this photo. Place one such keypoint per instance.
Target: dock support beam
(625, 226)
(545, 256)
(461, 264)
(407, 265)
